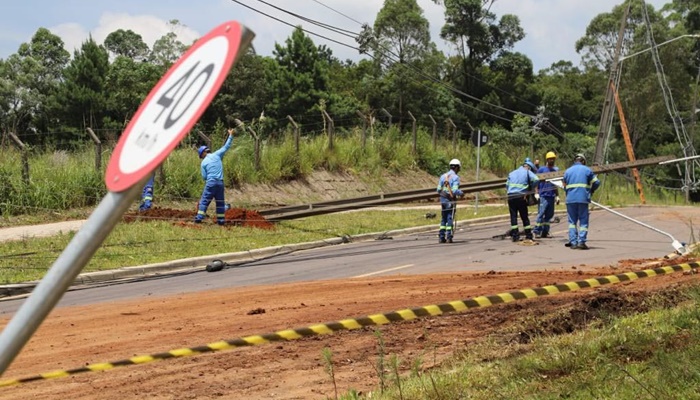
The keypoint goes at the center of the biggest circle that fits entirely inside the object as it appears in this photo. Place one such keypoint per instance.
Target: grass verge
(627, 352)
(142, 243)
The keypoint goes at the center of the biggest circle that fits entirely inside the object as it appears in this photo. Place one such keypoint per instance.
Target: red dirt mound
(233, 217)
(249, 218)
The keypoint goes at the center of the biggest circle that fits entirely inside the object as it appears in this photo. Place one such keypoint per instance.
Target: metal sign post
(478, 140)
(170, 110)
(478, 166)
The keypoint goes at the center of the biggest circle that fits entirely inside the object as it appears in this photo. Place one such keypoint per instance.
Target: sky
(552, 27)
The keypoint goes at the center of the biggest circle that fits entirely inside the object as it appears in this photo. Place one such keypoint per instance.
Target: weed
(330, 370)
(379, 367)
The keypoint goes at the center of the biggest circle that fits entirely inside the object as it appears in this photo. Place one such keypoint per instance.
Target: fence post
(331, 130)
(415, 133)
(204, 137)
(25, 157)
(454, 134)
(448, 127)
(388, 115)
(241, 125)
(257, 148)
(434, 132)
(98, 149)
(296, 134)
(364, 128)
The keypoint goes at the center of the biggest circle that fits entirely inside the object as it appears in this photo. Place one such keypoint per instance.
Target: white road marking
(383, 271)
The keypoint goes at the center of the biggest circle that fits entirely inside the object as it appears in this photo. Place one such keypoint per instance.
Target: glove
(537, 196)
(556, 201)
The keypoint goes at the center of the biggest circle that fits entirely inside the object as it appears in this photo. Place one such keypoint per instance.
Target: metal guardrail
(408, 196)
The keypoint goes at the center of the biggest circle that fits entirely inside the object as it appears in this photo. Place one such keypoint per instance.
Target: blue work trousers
(447, 220)
(545, 212)
(577, 213)
(212, 190)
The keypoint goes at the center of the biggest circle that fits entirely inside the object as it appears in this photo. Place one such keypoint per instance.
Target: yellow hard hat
(550, 155)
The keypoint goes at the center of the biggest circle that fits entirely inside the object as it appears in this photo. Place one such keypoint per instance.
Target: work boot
(569, 244)
(449, 240)
(514, 235)
(582, 246)
(442, 240)
(545, 235)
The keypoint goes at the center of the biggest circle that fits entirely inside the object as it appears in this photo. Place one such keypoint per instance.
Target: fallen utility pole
(308, 210)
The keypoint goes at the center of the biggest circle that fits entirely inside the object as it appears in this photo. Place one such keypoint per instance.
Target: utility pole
(538, 121)
(606, 115)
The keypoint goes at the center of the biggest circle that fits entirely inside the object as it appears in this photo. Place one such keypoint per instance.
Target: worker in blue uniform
(579, 183)
(548, 196)
(520, 182)
(448, 189)
(212, 170)
(147, 195)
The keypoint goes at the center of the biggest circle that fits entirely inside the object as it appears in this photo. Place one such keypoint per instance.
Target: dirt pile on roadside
(233, 217)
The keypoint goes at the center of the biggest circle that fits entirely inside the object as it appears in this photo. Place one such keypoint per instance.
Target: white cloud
(553, 26)
(150, 28)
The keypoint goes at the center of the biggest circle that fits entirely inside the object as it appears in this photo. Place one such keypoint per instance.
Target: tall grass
(61, 181)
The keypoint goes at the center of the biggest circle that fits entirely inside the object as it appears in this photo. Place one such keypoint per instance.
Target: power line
(338, 12)
(404, 65)
(345, 32)
(466, 73)
(288, 24)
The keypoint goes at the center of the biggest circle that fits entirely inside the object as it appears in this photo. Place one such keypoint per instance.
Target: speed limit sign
(174, 105)
(165, 117)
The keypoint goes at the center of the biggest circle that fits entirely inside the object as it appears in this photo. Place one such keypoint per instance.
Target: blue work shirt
(449, 180)
(521, 181)
(212, 167)
(547, 189)
(579, 182)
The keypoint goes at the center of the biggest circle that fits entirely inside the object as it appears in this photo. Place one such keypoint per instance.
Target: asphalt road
(611, 239)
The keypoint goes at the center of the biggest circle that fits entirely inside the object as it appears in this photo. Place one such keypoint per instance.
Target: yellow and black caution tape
(357, 323)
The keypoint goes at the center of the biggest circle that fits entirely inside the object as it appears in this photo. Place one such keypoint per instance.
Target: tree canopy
(485, 84)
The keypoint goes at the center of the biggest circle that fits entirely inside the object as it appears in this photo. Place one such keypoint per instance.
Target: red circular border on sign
(118, 181)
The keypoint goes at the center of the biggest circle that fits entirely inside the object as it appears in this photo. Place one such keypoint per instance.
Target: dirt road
(76, 336)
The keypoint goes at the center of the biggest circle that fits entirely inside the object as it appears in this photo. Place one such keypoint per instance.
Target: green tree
(479, 38)
(597, 46)
(510, 76)
(402, 39)
(167, 49)
(82, 96)
(127, 84)
(476, 33)
(300, 80)
(127, 43)
(29, 79)
(245, 93)
(571, 97)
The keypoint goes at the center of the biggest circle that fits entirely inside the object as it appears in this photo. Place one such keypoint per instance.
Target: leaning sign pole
(165, 117)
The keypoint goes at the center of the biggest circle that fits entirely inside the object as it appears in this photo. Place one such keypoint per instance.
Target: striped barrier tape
(357, 323)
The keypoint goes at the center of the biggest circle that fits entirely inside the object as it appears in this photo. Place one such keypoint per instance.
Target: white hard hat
(456, 162)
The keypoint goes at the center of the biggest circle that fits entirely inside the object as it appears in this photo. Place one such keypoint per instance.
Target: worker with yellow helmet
(548, 196)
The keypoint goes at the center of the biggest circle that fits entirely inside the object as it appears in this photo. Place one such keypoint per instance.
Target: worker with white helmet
(548, 197)
(580, 182)
(448, 189)
(520, 182)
